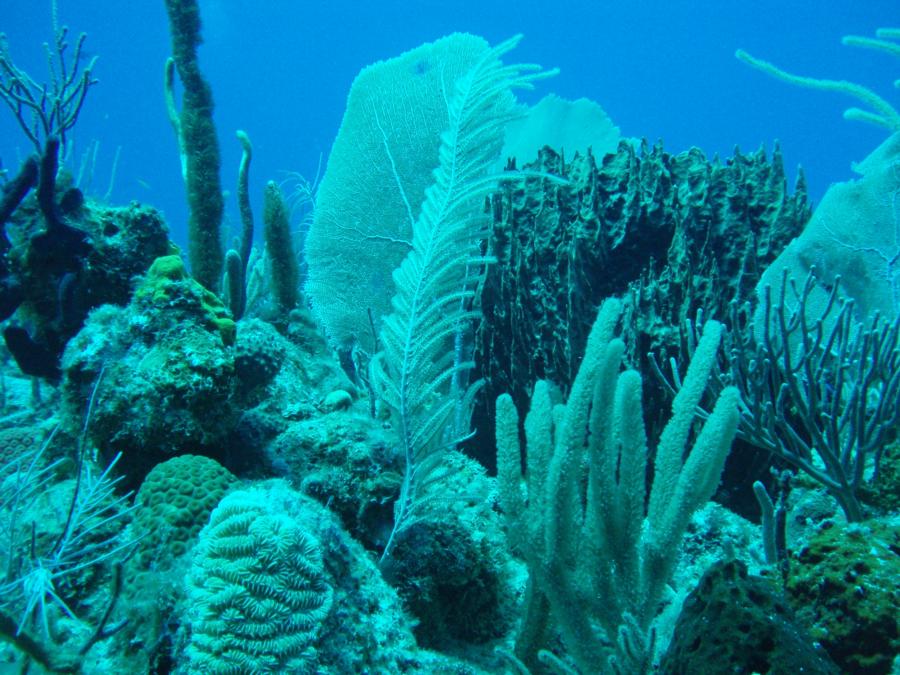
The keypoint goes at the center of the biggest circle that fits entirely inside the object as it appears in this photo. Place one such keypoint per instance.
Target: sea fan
(420, 369)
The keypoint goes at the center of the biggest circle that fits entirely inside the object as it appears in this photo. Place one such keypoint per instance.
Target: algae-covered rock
(452, 565)
(159, 371)
(734, 622)
(259, 354)
(451, 580)
(343, 459)
(172, 374)
(168, 285)
(883, 493)
(843, 585)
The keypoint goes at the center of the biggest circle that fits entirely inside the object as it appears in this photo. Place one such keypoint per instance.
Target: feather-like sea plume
(420, 371)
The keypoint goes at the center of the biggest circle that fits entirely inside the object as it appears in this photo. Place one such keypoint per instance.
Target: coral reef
(284, 268)
(343, 460)
(350, 286)
(177, 375)
(451, 582)
(192, 485)
(167, 285)
(19, 441)
(259, 353)
(62, 544)
(346, 619)
(883, 493)
(171, 507)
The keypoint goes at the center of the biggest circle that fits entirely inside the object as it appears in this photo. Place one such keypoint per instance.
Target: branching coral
(45, 110)
(882, 113)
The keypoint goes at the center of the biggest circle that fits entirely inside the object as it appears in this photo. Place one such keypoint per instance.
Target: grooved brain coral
(174, 503)
(257, 592)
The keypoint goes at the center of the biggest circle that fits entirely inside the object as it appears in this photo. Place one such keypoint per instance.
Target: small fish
(144, 184)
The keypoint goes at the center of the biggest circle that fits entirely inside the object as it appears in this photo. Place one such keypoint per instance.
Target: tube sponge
(285, 271)
(198, 144)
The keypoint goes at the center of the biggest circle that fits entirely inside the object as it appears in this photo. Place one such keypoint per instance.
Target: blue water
(281, 69)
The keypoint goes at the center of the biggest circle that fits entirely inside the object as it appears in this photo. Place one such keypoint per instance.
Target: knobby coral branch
(882, 113)
(47, 109)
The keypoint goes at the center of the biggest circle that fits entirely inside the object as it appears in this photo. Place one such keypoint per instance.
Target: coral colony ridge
(518, 395)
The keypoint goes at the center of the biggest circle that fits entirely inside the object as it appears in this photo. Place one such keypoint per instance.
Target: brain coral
(174, 503)
(16, 441)
(257, 591)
